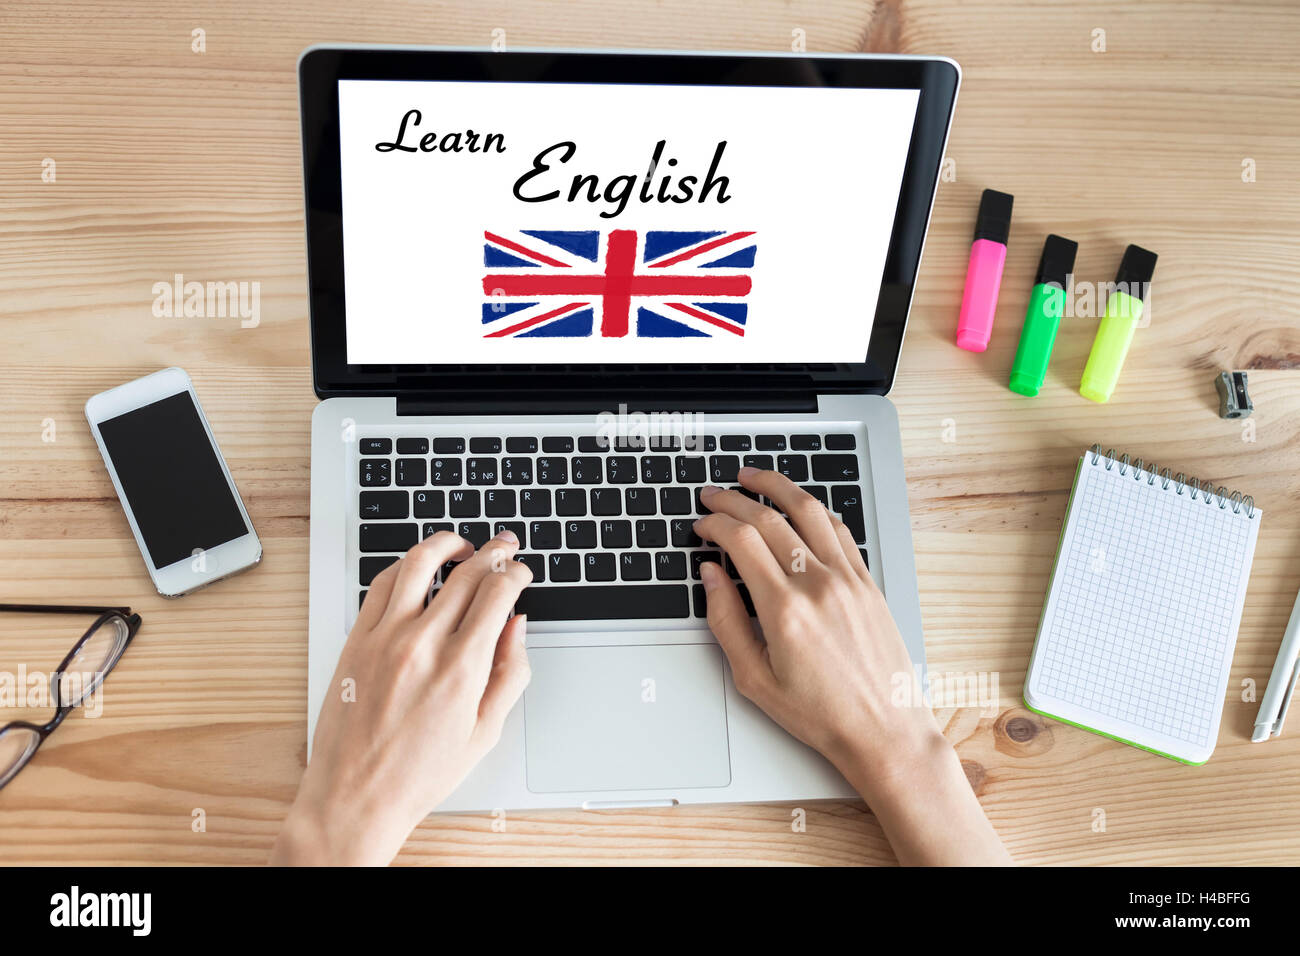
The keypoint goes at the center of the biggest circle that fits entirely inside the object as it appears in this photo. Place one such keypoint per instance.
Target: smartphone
(185, 512)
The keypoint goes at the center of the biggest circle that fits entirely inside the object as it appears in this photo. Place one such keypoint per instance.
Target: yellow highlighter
(1115, 333)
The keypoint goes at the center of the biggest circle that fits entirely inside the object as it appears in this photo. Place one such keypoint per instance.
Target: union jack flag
(616, 284)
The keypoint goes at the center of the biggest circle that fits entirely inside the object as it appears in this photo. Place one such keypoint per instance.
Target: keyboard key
(476, 533)
(794, 467)
(656, 469)
(521, 446)
(579, 535)
(388, 537)
(702, 606)
(691, 470)
(536, 502)
(699, 557)
(449, 446)
(805, 443)
(480, 471)
(384, 504)
(628, 443)
(840, 442)
(652, 533)
(485, 446)
(376, 472)
(863, 552)
(640, 501)
(563, 567)
(735, 443)
(370, 568)
(413, 446)
(682, 531)
(362, 600)
(430, 528)
(610, 602)
(517, 471)
(499, 503)
(587, 471)
(557, 445)
(700, 507)
(570, 502)
(444, 471)
(411, 471)
(818, 492)
(835, 467)
(552, 471)
(620, 469)
(846, 501)
(759, 461)
(770, 443)
(544, 536)
(723, 468)
(429, 504)
(675, 501)
(634, 566)
(670, 566)
(593, 443)
(615, 535)
(536, 563)
(606, 501)
(376, 446)
(600, 566)
(518, 528)
(463, 504)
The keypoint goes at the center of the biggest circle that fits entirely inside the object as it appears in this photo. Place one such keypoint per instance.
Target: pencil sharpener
(1234, 400)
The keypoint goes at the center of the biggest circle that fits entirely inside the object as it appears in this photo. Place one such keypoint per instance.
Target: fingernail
(749, 471)
(709, 574)
(709, 490)
(507, 536)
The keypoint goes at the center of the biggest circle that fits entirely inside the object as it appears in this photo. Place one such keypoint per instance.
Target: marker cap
(1135, 271)
(1057, 261)
(994, 219)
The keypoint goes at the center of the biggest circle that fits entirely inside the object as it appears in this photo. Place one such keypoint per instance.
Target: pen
(1281, 683)
(1115, 333)
(1043, 317)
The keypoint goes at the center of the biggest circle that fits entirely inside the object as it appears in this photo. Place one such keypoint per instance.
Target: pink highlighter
(988, 254)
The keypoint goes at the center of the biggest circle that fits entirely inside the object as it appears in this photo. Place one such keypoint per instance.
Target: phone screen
(172, 479)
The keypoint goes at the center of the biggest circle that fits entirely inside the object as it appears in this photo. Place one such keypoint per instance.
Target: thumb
(507, 680)
(729, 622)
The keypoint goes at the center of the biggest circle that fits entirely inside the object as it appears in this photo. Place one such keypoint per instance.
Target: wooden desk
(170, 161)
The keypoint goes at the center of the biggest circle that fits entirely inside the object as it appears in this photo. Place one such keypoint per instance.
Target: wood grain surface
(169, 161)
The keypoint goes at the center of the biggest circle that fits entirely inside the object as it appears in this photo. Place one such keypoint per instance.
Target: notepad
(1141, 617)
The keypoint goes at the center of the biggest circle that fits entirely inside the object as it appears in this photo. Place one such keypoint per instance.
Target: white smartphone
(184, 509)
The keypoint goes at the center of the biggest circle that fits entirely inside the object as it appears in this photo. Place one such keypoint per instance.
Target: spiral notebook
(1137, 632)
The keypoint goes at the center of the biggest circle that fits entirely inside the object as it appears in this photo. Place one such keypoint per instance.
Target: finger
(809, 516)
(510, 675)
(488, 612)
(745, 546)
(850, 548)
(730, 624)
(376, 602)
(416, 570)
(781, 539)
(453, 598)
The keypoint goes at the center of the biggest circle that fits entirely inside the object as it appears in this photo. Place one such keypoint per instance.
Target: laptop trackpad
(626, 718)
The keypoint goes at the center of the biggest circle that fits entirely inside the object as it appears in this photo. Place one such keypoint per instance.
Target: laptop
(559, 292)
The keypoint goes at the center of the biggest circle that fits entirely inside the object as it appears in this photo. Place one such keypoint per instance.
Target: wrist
(884, 773)
(323, 833)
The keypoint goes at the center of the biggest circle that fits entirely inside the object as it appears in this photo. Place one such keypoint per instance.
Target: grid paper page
(1146, 598)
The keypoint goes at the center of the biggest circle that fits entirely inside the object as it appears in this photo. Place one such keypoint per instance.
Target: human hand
(431, 689)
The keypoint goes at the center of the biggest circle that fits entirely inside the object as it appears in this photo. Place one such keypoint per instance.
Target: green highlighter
(1043, 317)
(1115, 333)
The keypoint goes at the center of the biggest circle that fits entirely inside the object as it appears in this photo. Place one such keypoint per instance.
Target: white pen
(1281, 683)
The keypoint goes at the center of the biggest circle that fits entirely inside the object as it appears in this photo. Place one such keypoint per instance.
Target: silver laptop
(559, 292)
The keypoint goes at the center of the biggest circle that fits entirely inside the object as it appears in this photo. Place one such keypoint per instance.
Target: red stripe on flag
(500, 333)
(522, 250)
(705, 317)
(699, 250)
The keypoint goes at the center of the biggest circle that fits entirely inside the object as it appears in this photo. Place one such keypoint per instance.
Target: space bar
(615, 602)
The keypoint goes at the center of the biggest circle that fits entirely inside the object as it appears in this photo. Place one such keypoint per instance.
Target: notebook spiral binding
(1181, 482)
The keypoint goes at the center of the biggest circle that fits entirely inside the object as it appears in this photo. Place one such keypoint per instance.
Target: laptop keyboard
(607, 532)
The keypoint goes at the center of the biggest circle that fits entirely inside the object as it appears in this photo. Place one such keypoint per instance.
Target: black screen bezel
(320, 69)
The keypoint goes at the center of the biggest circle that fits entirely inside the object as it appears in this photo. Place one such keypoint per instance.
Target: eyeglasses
(79, 676)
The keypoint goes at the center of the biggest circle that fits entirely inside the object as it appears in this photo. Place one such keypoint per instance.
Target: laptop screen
(522, 223)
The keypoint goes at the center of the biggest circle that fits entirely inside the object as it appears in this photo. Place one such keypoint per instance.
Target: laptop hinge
(526, 402)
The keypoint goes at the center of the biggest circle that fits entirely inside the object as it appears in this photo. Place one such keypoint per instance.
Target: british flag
(616, 284)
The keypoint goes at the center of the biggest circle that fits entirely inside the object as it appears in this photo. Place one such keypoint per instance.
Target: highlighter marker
(1043, 317)
(988, 254)
(1115, 333)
